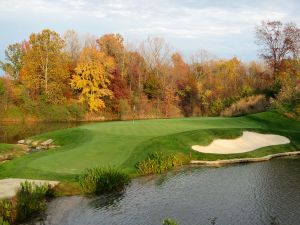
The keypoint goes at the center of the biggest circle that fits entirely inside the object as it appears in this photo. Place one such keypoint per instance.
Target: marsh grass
(159, 162)
(31, 200)
(169, 222)
(3, 222)
(7, 212)
(100, 180)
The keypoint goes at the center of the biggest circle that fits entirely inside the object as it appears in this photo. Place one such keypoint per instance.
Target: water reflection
(265, 193)
(11, 132)
(106, 202)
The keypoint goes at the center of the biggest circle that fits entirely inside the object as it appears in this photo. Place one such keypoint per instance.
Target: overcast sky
(224, 28)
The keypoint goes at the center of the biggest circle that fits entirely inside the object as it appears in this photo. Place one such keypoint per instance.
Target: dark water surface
(11, 132)
(250, 194)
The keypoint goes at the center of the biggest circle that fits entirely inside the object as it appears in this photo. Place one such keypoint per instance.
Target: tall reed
(158, 162)
(31, 200)
(3, 222)
(101, 180)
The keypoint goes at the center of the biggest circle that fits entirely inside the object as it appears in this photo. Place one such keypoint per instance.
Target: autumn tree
(279, 41)
(3, 95)
(136, 72)
(228, 73)
(113, 46)
(13, 63)
(187, 86)
(92, 77)
(45, 66)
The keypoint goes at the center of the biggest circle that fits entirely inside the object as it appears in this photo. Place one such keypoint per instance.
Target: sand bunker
(9, 187)
(249, 141)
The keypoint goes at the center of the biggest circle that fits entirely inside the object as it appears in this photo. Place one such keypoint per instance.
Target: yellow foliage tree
(45, 67)
(92, 77)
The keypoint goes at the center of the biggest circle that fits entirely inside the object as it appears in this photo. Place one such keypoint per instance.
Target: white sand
(9, 187)
(249, 141)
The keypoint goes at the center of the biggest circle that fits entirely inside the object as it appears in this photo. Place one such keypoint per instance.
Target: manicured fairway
(123, 143)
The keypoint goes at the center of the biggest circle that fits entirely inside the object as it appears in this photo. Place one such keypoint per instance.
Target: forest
(53, 77)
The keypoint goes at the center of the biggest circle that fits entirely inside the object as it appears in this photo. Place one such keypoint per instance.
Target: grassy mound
(123, 144)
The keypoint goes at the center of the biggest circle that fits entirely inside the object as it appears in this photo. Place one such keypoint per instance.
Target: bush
(103, 180)
(217, 107)
(76, 111)
(53, 112)
(31, 200)
(252, 104)
(157, 163)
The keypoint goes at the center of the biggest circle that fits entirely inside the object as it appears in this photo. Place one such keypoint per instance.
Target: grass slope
(9, 151)
(123, 144)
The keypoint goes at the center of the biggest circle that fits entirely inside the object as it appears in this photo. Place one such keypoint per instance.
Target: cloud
(208, 21)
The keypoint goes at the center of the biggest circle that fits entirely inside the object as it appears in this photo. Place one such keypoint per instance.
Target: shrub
(252, 104)
(31, 200)
(103, 180)
(76, 111)
(53, 112)
(217, 107)
(159, 162)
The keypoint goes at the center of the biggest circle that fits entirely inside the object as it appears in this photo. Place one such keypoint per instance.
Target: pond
(250, 194)
(11, 132)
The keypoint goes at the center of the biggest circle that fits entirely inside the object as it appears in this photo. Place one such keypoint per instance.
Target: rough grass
(9, 151)
(122, 144)
(247, 105)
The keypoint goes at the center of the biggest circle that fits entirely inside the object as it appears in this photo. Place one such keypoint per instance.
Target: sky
(224, 28)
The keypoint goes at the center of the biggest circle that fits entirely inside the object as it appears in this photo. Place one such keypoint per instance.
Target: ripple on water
(258, 193)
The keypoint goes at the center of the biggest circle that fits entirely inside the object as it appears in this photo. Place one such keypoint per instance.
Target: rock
(47, 143)
(28, 142)
(35, 143)
(54, 146)
(21, 142)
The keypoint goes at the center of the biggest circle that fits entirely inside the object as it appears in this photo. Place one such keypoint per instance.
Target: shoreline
(242, 160)
(215, 163)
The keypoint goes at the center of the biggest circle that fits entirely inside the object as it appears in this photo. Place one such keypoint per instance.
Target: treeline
(67, 77)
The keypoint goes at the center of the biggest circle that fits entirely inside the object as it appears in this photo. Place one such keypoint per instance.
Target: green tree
(153, 87)
(13, 57)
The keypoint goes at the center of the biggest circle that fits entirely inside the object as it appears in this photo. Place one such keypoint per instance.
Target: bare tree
(202, 56)
(72, 44)
(157, 52)
(89, 41)
(279, 41)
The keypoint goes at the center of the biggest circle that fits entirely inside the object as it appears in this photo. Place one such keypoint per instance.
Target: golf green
(124, 143)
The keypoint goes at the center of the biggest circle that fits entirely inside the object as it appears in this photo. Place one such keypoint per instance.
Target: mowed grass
(122, 144)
